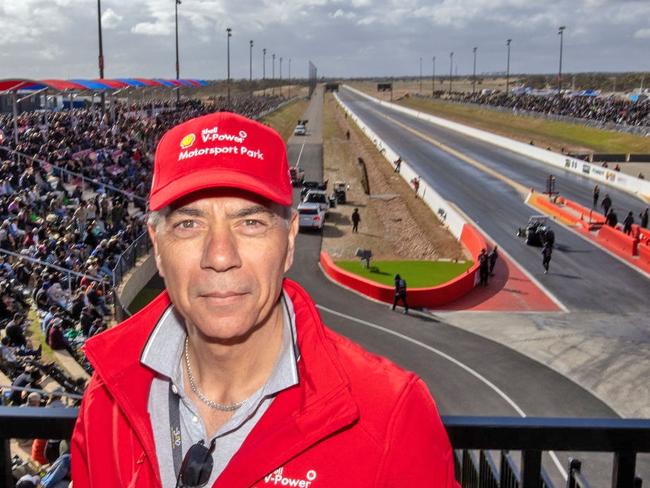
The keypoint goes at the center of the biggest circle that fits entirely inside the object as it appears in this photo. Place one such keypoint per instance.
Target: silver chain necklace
(222, 407)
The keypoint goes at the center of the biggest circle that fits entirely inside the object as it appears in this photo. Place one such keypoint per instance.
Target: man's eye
(253, 222)
(185, 224)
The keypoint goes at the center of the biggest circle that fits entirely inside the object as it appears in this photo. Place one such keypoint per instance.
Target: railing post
(5, 463)
(574, 467)
(623, 470)
(531, 468)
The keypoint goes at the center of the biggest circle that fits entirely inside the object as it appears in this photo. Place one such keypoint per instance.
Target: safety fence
(125, 263)
(642, 130)
(471, 438)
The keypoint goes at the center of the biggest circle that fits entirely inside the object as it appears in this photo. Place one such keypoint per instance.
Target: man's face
(223, 255)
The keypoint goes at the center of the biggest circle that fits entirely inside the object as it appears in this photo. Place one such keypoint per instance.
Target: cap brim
(215, 178)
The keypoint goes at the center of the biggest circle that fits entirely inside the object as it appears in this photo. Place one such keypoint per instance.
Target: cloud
(342, 14)
(642, 34)
(110, 20)
(152, 28)
(58, 38)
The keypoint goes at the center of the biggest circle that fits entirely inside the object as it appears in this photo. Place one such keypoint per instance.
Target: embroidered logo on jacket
(277, 478)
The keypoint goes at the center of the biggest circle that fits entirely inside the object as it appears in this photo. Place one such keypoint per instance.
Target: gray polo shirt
(167, 341)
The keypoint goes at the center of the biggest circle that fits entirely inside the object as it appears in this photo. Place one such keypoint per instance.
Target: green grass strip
(418, 274)
(540, 130)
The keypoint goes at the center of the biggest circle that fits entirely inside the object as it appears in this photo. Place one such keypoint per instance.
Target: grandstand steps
(4, 380)
(23, 449)
(70, 365)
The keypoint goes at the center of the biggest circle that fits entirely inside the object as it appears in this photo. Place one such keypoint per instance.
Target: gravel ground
(394, 224)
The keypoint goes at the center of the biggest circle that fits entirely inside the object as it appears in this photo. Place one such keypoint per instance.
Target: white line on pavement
(300, 155)
(455, 361)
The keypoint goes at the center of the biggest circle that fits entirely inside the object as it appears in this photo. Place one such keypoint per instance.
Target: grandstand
(73, 187)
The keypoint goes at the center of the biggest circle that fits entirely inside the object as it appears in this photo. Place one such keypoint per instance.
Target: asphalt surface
(583, 276)
(463, 370)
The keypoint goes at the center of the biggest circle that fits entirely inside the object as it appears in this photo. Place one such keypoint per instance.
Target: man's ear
(291, 246)
(154, 240)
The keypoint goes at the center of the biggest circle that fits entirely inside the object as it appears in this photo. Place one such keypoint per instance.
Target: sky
(343, 38)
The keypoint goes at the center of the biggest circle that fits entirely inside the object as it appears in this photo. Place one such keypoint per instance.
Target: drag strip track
(467, 374)
(582, 277)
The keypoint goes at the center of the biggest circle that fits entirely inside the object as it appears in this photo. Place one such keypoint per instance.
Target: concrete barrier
(469, 236)
(644, 256)
(434, 296)
(547, 206)
(616, 240)
(612, 178)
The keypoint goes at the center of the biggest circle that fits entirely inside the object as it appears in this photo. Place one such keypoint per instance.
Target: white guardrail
(630, 184)
(442, 209)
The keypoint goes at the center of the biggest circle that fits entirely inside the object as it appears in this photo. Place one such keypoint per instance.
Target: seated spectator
(56, 339)
(14, 331)
(51, 313)
(29, 481)
(8, 360)
(28, 379)
(57, 296)
(95, 299)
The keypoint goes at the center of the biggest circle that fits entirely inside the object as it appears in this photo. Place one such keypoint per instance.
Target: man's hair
(156, 218)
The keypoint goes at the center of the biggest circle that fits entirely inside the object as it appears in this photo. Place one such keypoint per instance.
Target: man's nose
(220, 251)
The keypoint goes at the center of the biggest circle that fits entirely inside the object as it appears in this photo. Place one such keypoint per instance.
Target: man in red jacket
(229, 378)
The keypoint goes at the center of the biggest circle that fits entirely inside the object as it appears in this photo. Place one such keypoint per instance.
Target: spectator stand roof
(8, 85)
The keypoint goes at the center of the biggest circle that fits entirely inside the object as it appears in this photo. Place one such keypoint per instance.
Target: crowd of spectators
(597, 108)
(70, 205)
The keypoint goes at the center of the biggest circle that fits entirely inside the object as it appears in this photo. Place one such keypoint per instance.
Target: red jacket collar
(318, 406)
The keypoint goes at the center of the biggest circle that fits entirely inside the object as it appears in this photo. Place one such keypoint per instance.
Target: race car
(537, 232)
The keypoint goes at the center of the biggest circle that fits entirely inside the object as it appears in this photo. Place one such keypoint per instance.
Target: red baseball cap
(220, 150)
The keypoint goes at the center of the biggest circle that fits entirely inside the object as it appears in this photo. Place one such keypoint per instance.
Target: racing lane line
(469, 160)
(300, 154)
(455, 361)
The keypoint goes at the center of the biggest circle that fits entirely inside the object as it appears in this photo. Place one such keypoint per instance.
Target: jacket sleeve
(78, 446)
(417, 451)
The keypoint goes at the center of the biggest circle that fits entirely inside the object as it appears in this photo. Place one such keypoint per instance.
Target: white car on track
(319, 197)
(310, 216)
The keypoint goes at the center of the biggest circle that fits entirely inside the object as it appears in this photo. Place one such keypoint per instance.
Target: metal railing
(532, 436)
(126, 262)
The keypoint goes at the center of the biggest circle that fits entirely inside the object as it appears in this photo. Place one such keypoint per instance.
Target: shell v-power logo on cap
(188, 141)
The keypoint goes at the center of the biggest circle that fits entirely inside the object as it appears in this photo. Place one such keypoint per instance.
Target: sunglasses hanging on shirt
(196, 467)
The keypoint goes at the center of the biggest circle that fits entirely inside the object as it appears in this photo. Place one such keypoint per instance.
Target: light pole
(433, 76)
(289, 96)
(420, 78)
(100, 59)
(101, 45)
(178, 64)
(508, 67)
(273, 74)
(451, 69)
(280, 68)
(250, 76)
(559, 76)
(264, 64)
(229, 35)
(474, 72)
